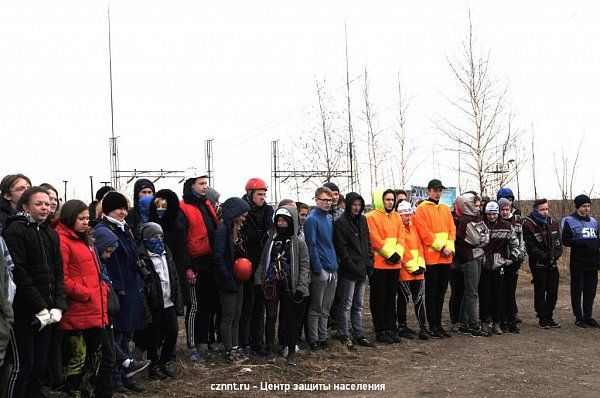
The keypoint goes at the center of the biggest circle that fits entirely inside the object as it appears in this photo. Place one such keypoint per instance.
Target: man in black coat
(142, 187)
(355, 257)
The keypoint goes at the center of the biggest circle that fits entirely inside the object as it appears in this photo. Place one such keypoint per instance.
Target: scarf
(155, 245)
(120, 224)
(160, 213)
(544, 220)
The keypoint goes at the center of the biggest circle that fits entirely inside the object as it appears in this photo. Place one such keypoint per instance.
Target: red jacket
(86, 292)
(198, 241)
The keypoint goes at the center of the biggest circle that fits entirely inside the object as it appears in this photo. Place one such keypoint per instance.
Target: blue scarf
(155, 245)
(544, 220)
(160, 213)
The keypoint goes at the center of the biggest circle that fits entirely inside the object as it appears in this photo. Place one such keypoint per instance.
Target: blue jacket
(318, 232)
(121, 271)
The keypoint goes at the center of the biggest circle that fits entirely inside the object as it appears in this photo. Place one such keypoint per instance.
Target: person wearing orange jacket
(387, 240)
(412, 276)
(435, 226)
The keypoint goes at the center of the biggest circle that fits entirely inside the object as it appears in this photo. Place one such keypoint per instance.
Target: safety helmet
(404, 207)
(492, 207)
(256, 183)
(242, 269)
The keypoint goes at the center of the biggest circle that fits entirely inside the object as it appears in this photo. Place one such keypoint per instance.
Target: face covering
(155, 245)
(160, 213)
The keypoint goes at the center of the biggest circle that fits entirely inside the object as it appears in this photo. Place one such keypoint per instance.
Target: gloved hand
(121, 295)
(191, 277)
(56, 315)
(298, 296)
(44, 317)
(419, 271)
(394, 259)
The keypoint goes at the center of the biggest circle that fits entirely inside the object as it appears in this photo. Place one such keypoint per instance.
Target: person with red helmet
(283, 275)
(229, 246)
(257, 225)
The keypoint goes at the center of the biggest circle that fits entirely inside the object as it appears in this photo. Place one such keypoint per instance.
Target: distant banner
(420, 193)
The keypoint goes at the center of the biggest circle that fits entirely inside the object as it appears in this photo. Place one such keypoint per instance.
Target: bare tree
(535, 196)
(565, 176)
(372, 137)
(481, 135)
(405, 152)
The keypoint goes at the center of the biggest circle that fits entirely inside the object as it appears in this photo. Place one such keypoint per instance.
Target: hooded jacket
(86, 292)
(175, 234)
(472, 234)
(386, 232)
(224, 248)
(581, 235)
(318, 233)
(134, 218)
(299, 266)
(6, 211)
(200, 221)
(543, 242)
(352, 241)
(436, 228)
(256, 228)
(38, 272)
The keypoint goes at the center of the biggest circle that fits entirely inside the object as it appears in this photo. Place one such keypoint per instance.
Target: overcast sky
(244, 74)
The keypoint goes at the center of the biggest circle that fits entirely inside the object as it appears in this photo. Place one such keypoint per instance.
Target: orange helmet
(242, 269)
(256, 183)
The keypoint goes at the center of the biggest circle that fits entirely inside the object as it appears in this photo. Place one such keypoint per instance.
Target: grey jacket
(300, 267)
(7, 290)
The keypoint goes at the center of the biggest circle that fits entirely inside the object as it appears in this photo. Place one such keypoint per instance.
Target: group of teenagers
(79, 283)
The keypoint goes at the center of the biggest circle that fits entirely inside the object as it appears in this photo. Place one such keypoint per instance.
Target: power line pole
(114, 154)
(209, 161)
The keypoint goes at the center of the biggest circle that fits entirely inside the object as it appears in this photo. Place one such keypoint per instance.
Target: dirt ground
(551, 363)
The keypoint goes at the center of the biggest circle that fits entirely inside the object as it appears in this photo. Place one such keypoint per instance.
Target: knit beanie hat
(581, 200)
(113, 201)
(504, 202)
(102, 191)
(332, 186)
(149, 230)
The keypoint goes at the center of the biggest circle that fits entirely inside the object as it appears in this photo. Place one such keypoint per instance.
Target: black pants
(83, 359)
(302, 316)
(108, 361)
(204, 304)
(509, 292)
(436, 285)
(384, 287)
(32, 346)
(545, 287)
(289, 312)
(583, 282)
(490, 295)
(416, 290)
(457, 286)
(162, 334)
(10, 368)
(253, 315)
(231, 311)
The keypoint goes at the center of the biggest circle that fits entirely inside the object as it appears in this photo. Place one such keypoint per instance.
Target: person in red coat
(84, 322)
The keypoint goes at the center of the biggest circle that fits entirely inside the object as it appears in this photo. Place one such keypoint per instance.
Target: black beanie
(332, 186)
(102, 191)
(113, 201)
(581, 200)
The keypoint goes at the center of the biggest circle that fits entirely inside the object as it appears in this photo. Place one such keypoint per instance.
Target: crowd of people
(80, 285)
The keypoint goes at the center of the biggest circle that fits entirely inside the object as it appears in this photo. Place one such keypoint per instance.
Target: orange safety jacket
(386, 232)
(413, 255)
(435, 226)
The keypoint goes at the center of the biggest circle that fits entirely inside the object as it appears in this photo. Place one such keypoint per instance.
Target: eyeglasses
(325, 200)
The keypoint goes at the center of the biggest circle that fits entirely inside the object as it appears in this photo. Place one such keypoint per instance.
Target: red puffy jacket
(86, 292)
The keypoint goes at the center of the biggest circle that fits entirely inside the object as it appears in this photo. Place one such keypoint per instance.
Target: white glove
(324, 276)
(56, 315)
(44, 317)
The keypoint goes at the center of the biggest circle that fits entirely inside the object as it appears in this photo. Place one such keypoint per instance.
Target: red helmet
(256, 183)
(242, 269)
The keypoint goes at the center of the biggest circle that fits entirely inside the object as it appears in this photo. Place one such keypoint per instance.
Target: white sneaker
(285, 352)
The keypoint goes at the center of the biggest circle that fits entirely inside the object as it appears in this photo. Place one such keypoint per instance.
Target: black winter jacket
(256, 228)
(352, 242)
(38, 272)
(543, 242)
(585, 253)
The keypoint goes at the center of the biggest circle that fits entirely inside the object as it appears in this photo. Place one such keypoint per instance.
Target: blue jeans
(351, 303)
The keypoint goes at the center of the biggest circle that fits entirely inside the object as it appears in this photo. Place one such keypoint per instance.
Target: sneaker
(504, 327)
(455, 327)
(423, 334)
(479, 332)
(349, 344)
(314, 346)
(487, 328)
(581, 323)
(168, 371)
(259, 351)
(363, 342)
(513, 328)
(383, 337)
(394, 336)
(135, 367)
(218, 347)
(553, 324)
(285, 352)
(325, 344)
(240, 355)
(543, 324)
(208, 354)
(271, 357)
(435, 333)
(247, 351)
(406, 332)
(463, 330)
(444, 332)
(592, 322)
(196, 358)
(496, 328)
(292, 359)
(154, 373)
